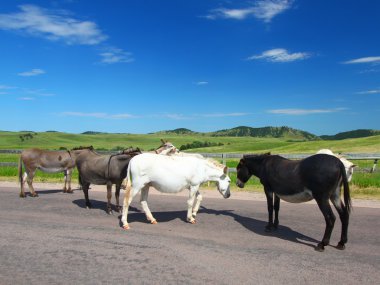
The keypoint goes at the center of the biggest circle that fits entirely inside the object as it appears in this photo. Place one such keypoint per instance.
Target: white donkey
(171, 174)
(348, 165)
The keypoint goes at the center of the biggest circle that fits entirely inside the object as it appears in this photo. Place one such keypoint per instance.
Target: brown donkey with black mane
(107, 170)
(50, 161)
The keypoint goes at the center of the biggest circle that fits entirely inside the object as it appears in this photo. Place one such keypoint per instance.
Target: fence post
(374, 166)
(223, 159)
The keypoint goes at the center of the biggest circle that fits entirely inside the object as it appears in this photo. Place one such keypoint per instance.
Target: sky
(142, 66)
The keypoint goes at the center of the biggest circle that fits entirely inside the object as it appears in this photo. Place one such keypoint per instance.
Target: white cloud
(370, 59)
(280, 55)
(115, 55)
(220, 115)
(296, 112)
(98, 115)
(376, 91)
(173, 116)
(201, 83)
(3, 87)
(26, 98)
(33, 72)
(52, 25)
(264, 10)
(81, 114)
(123, 116)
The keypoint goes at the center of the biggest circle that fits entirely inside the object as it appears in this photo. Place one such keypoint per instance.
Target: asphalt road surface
(54, 239)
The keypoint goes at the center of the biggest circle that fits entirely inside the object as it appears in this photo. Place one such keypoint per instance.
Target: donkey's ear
(268, 153)
(242, 161)
(163, 142)
(225, 170)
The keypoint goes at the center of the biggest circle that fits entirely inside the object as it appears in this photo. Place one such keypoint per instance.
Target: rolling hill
(266, 132)
(361, 133)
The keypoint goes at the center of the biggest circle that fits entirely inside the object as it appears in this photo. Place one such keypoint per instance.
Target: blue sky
(148, 65)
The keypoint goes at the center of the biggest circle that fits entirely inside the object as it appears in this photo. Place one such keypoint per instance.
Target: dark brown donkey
(47, 161)
(100, 169)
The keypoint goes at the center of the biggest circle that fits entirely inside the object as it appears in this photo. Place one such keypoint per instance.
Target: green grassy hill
(56, 140)
(271, 132)
(352, 134)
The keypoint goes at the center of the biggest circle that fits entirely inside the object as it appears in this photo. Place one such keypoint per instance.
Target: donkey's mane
(131, 150)
(256, 155)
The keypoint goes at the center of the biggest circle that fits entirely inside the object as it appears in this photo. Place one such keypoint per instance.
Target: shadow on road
(43, 192)
(258, 227)
(100, 205)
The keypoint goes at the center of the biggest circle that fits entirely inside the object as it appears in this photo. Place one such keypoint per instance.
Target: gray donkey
(100, 169)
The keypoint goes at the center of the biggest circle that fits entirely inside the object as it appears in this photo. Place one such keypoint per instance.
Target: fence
(224, 156)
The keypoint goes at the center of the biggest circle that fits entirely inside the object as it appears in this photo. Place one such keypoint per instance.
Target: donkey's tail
(80, 181)
(19, 170)
(346, 189)
(127, 180)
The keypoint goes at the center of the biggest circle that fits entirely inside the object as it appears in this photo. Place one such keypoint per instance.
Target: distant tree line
(198, 144)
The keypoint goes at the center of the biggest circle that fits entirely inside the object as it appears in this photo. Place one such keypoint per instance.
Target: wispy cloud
(60, 25)
(199, 83)
(33, 72)
(52, 25)
(264, 10)
(280, 55)
(38, 92)
(370, 59)
(26, 98)
(296, 112)
(115, 55)
(97, 115)
(4, 89)
(172, 116)
(221, 115)
(375, 91)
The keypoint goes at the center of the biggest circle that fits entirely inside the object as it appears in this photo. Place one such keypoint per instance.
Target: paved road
(54, 239)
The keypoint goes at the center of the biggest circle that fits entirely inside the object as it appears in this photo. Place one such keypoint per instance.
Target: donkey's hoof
(109, 211)
(154, 222)
(70, 191)
(126, 227)
(34, 195)
(340, 246)
(22, 195)
(268, 228)
(118, 209)
(320, 247)
(192, 221)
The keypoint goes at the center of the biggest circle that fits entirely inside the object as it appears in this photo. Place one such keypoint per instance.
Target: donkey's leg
(69, 173)
(324, 206)
(29, 180)
(109, 197)
(85, 187)
(117, 197)
(144, 204)
(269, 195)
(344, 217)
(129, 194)
(276, 210)
(197, 203)
(190, 203)
(22, 182)
(65, 181)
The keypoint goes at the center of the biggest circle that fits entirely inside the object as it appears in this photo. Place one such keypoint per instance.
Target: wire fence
(223, 157)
